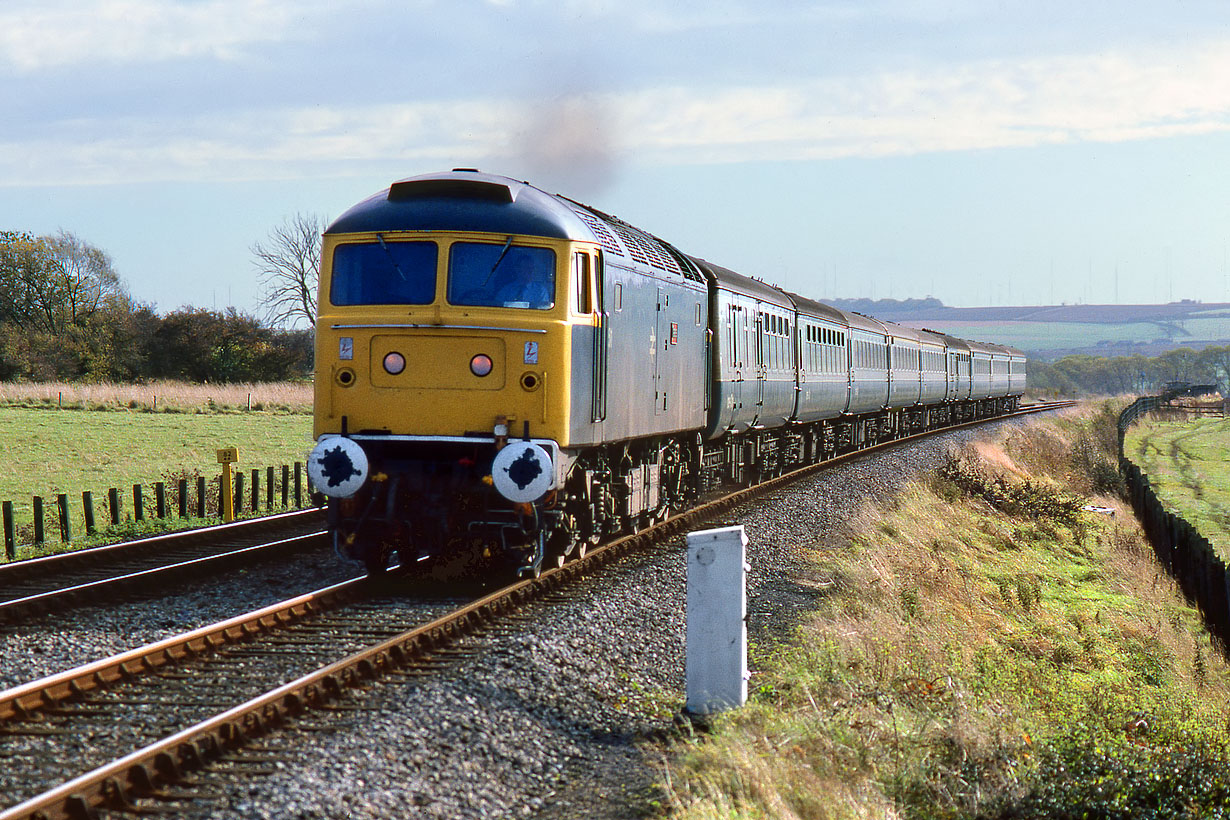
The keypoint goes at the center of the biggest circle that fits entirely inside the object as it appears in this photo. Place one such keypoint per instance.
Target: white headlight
(394, 363)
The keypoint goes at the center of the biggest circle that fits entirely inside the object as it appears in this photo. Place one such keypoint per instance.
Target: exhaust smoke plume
(567, 145)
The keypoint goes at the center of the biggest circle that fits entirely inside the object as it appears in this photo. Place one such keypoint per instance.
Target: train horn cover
(337, 467)
(522, 472)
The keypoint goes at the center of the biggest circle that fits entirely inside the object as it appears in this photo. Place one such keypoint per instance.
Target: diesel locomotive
(507, 373)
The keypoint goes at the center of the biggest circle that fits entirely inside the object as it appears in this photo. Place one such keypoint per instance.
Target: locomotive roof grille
(458, 188)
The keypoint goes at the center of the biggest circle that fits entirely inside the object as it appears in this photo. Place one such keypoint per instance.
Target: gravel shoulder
(560, 713)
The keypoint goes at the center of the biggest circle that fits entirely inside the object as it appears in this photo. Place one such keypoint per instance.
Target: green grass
(51, 451)
(1188, 464)
(979, 649)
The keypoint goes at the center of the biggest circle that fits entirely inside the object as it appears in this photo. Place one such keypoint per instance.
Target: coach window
(384, 273)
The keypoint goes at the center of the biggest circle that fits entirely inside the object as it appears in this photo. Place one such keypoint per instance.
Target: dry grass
(958, 648)
(161, 396)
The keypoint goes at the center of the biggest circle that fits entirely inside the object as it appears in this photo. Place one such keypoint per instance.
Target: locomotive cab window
(583, 283)
(483, 274)
(384, 273)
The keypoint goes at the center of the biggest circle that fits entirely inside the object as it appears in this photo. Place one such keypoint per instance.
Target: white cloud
(976, 106)
(57, 33)
(982, 105)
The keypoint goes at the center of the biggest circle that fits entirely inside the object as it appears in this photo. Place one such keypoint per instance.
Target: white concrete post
(717, 620)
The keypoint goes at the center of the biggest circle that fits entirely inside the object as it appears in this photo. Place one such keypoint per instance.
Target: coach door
(762, 355)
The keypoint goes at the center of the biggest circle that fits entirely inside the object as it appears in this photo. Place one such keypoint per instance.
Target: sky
(980, 152)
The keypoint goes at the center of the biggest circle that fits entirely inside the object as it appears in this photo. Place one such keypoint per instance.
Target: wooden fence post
(10, 531)
(138, 503)
(285, 486)
(200, 497)
(160, 499)
(66, 527)
(268, 488)
(298, 484)
(39, 535)
(256, 489)
(113, 496)
(87, 506)
(183, 497)
(238, 491)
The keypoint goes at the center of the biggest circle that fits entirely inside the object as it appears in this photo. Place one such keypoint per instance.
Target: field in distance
(1054, 331)
(1188, 464)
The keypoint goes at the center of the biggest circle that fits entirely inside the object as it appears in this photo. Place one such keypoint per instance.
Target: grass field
(1188, 464)
(51, 451)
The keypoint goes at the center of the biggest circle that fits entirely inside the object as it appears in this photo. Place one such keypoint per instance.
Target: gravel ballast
(551, 715)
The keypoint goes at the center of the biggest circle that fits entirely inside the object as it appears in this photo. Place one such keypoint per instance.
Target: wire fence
(1180, 548)
(65, 519)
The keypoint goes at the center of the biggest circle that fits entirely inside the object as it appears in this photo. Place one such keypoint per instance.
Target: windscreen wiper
(393, 261)
(499, 259)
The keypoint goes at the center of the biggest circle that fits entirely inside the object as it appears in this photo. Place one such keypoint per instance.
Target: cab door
(588, 273)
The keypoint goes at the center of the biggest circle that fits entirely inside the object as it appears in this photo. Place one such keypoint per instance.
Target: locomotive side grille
(644, 248)
(605, 238)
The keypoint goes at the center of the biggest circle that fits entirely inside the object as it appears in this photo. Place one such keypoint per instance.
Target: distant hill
(1053, 331)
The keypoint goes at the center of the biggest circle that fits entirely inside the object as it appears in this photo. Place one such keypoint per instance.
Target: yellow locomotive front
(442, 368)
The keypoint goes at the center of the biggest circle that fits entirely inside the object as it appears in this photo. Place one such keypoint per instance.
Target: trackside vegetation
(982, 648)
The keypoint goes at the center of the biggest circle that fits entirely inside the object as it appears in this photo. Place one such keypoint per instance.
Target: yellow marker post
(226, 457)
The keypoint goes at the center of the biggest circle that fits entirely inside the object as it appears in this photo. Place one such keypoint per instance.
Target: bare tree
(288, 264)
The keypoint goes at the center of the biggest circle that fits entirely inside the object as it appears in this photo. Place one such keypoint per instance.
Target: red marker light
(394, 363)
(481, 365)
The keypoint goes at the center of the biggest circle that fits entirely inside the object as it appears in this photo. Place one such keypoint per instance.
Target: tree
(87, 280)
(212, 346)
(288, 264)
(28, 284)
(53, 282)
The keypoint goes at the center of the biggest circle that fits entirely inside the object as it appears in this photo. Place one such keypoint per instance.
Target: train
(505, 377)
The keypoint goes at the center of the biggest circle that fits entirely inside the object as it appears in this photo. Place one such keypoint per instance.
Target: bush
(1027, 499)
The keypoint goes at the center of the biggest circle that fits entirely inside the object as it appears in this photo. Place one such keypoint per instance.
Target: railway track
(187, 695)
(100, 574)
